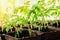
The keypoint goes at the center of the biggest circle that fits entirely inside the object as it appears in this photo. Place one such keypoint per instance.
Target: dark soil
(43, 29)
(55, 24)
(4, 32)
(24, 33)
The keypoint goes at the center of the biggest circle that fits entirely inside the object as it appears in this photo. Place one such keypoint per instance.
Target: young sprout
(39, 27)
(6, 27)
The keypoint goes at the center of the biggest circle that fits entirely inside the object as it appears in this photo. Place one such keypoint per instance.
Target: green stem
(11, 29)
(21, 28)
(29, 31)
(57, 23)
(31, 24)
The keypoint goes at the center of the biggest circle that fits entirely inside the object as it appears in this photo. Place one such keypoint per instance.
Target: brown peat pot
(50, 33)
(24, 36)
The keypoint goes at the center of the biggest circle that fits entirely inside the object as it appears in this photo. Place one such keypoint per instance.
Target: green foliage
(40, 11)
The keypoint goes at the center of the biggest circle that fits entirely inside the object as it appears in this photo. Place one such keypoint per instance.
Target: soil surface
(43, 29)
